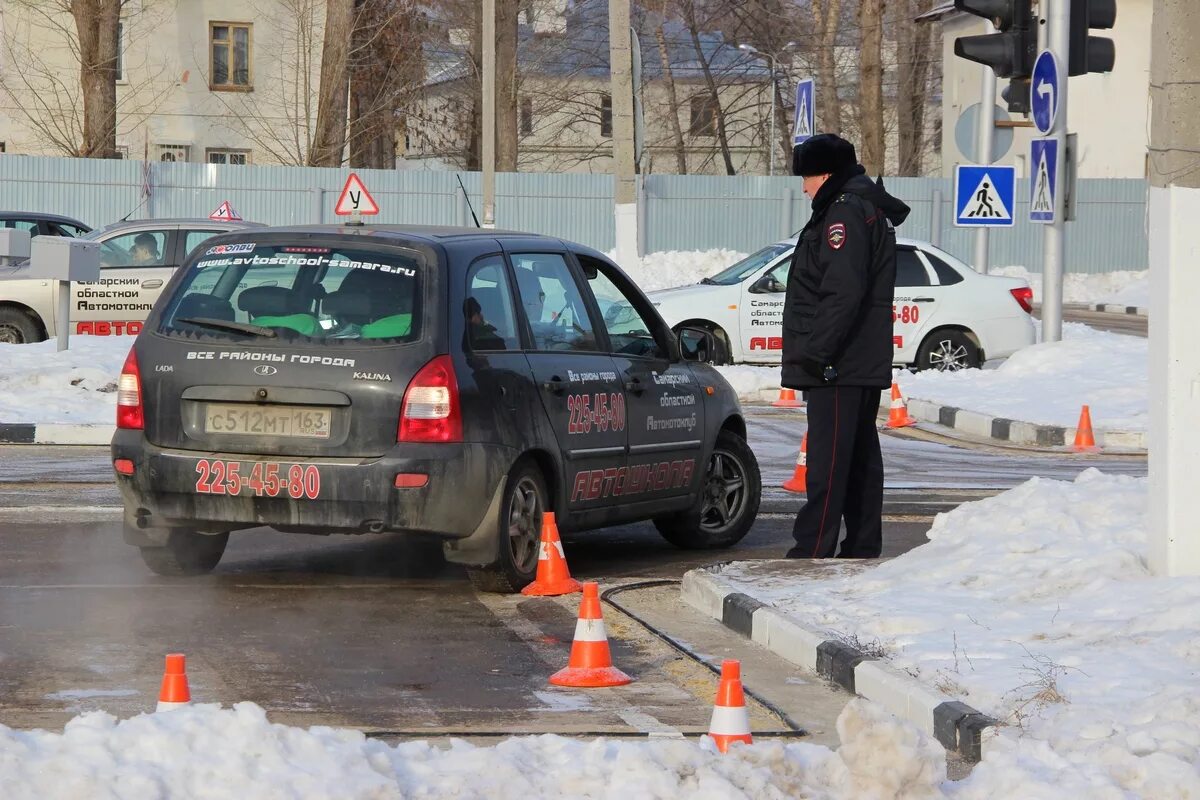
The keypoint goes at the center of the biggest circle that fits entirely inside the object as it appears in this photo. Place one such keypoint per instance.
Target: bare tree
(386, 75)
(664, 53)
(688, 7)
(827, 16)
(870, 84)
(915, 57)
(507, 84)
(329, 139)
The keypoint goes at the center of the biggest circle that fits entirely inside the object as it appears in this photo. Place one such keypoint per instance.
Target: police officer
(837, 345)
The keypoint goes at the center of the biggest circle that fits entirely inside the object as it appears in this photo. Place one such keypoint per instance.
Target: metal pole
(624, 186)
(489, 113)
(771, 140)
(64, 314)
(935, 219)
(985, 127)
(1058, 41)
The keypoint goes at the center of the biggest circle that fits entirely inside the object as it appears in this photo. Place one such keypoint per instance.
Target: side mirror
(701, 346)
(767, 285)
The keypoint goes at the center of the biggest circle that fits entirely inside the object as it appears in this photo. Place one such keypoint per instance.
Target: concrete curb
(957, 726)
(1016, 431)
(55, 433)
(1114, 308)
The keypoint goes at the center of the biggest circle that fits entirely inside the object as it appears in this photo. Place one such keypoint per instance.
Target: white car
(946, 316)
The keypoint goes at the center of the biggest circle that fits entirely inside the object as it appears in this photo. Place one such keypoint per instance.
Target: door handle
(153, 283)
(924, 300)
(555, 385)
(635, 386)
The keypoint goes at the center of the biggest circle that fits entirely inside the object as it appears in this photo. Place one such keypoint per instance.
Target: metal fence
(678, 212)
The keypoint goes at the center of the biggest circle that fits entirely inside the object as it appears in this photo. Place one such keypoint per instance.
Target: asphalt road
(1128, 324)
(378, 632)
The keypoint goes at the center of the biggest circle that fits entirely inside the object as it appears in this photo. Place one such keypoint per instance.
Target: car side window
(141, 249)
(781, 271)
(946, 274)
(553, 303)
(628, 331)
(909, 269)
(195, 238)
(491, 323)
(28, 225)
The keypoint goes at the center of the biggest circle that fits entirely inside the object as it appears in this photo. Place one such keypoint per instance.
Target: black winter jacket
(840, 289)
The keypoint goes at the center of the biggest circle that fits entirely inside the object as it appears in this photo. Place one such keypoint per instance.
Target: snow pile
(79, 385)
(206, 751)
(1047, 383)
(1082, 287)
(670, 268)
(1135, 293)
(1036, 607)
(752, 384)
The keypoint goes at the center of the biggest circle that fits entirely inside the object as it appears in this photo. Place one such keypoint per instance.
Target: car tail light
(129, 395)
(1024, 296)
(431, 411)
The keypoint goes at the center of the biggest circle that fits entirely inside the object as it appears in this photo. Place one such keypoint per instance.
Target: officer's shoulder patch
(836, 235)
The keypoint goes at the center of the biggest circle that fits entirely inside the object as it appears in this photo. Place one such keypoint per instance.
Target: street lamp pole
(772, 63)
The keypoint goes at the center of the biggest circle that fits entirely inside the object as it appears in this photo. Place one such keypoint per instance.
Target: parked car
(39, 224)
(946, 315)
(446, 382)
(136, 261)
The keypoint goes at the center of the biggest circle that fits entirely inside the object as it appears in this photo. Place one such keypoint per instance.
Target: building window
(172, 152)
(704, 116)
(526, 116)
(3, 147)
(227, 156)
(123, 151)
(606, 115)
(230, 61)
(120, 52)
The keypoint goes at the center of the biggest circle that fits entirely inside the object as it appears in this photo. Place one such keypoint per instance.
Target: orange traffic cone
(174, 692)
(730, 719)
(799, 481)
(590, 665)
(787, 399)
(899, 418)
(553, 577)
(1085, 442)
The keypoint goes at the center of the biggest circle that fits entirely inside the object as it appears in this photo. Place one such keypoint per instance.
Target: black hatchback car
(440, 381)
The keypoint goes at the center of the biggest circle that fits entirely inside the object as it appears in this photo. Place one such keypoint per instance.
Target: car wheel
(519, 533)
(17, 327)
(186, 553)
(948, 351)
(729, 499)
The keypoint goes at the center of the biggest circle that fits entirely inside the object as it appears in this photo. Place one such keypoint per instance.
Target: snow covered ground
(79, 385)
(1124, 287)
(1036, 607)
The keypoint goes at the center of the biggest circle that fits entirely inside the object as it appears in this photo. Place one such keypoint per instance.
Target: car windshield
(331, 295)
(749, 265)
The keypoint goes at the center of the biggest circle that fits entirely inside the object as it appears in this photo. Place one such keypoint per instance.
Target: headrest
(273, 301)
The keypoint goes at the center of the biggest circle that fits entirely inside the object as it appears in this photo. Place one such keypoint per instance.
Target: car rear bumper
(352, 495)
(1003, 336)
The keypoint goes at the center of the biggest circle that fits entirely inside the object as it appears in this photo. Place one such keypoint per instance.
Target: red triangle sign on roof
(355, 198)
(225, 213)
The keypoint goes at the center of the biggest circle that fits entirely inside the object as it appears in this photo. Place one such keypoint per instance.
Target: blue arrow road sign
(805, 122)
(1043, 155)
(984, 195)
(1043, 91)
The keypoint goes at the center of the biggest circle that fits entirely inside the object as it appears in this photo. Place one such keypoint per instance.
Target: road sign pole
(985, 128)
(771, 135)
(1058, 36)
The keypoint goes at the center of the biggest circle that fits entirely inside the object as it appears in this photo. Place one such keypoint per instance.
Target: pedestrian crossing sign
(1044, 163)
(985, 196)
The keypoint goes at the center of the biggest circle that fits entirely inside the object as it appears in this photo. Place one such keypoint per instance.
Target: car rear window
(327, 295)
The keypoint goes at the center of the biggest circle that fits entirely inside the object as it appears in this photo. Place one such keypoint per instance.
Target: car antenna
(468, 199)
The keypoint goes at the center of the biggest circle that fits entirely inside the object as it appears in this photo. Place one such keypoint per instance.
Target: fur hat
(823, 154)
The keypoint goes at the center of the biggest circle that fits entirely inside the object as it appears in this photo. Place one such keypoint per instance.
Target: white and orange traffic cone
(799, 480)
(899, 418)
(590, 665)
(787, 399)
(730, 719)
(553, 577)
(1085, 440)
(174, 692)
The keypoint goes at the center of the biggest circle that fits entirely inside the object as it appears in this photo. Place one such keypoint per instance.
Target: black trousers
(845, 476)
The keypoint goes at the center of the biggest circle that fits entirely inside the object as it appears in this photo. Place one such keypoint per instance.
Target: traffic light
(1011, 51)
(1091, 53)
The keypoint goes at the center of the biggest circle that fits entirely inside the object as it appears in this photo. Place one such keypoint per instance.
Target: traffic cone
(1085, 442)
(590, 665)
(174, 692)
(787, 399)
(730, 719)
(899, 418)
(553, 577)
(799, 481)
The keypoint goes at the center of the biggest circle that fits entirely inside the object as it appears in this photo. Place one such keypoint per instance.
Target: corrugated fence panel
(681, 212)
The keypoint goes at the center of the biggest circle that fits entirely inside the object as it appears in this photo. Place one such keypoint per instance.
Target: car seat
(278, 307)
(381, 302)
(199, 304)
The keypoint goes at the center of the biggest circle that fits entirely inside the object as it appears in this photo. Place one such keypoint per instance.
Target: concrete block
(786, 639)
(974, 423)
(704, 592)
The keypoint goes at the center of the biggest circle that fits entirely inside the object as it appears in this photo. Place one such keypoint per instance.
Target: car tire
(719, 521)
(518, 533)
(948, 350)
(186, 553)
(17, 327)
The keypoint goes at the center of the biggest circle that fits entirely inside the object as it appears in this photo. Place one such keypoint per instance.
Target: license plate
(259, 478)
(246, 420)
